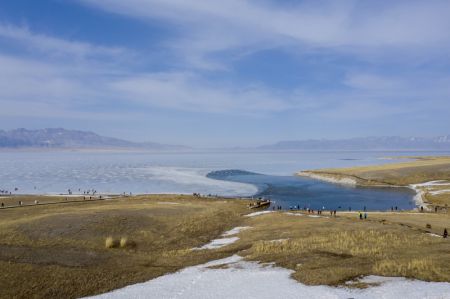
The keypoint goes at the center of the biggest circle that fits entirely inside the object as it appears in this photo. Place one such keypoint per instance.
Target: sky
(226, 73)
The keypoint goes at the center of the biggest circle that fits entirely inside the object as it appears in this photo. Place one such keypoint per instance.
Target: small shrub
(428, 226)
(111, 243)
(126, 243)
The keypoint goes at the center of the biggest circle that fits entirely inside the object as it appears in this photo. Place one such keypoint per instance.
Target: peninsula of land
(428, 176)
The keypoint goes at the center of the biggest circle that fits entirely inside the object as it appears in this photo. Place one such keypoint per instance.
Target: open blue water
(144, 172)
(292, 192)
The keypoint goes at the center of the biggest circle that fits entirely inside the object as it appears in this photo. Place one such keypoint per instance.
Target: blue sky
(226, 73)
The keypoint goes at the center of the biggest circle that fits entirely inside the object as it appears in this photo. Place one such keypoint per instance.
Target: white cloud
(350, 26)
(49, 45)
(30, 79)
(68, 90)
(186, 91)
(71, 86)
(45, 89)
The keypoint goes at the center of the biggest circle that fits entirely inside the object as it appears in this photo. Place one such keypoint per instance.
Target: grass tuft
(126, 243)
(424, 267)
(111, 243)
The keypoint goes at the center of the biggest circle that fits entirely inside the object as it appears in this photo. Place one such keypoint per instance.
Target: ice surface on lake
(143, 172)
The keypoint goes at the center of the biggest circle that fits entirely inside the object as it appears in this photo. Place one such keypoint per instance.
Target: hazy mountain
(365, 143)
(65, 139)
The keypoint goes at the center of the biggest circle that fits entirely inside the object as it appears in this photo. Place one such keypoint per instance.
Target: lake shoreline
(417, 175)
(351, 181)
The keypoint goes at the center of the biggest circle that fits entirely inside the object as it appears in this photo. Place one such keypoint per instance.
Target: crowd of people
(7, 192)
(85, 192)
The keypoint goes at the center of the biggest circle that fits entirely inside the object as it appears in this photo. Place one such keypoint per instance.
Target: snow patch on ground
(335, 180)
(418, 198)
(242, 279)
(440, 192)
(422, 188)
(222, 242)
(235, 231)
(434, 235)
(218, 243)
(258, 213)
(432, 183)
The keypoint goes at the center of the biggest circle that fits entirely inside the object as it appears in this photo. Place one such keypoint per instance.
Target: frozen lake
(144, 172)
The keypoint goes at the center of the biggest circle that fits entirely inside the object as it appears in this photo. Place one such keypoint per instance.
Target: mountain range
(59, 138)
(365, 143)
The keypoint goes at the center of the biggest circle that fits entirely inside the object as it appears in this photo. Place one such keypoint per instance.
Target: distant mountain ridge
(66, 139)
(365, 143)
(59, 138)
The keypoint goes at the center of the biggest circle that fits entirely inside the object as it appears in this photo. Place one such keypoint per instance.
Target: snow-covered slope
(240, 279)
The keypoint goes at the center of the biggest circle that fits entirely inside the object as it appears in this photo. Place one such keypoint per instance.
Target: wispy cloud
(62, 88)
(186, 91)
(52, 46)
(388, 59)
(345, 26)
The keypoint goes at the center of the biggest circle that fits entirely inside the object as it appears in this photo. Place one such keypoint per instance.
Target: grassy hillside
(84, 248)
(59, 251)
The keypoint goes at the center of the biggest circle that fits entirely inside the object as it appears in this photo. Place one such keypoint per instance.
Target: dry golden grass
(362, 243)
(335, 250)
(384, 249)
(124, 242)
(111, 243)
(127, 243)
(417, 161)
(13, 201)
(421, 222)
(60, 250)
(415, 267)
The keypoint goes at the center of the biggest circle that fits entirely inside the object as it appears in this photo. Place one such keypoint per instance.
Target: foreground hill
(62, 138)
(77, 248)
